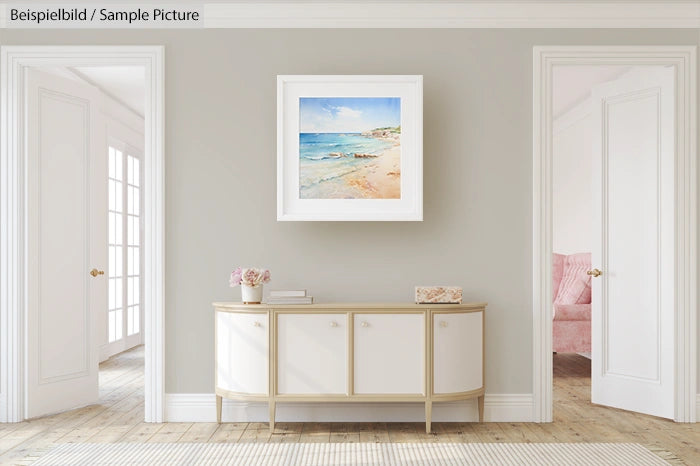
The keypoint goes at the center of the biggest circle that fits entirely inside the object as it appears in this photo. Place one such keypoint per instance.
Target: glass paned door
(133, 224)
(116, 241)
(124, 305)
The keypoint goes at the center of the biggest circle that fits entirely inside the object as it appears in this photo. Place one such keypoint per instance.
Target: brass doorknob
(95, 272)
(595, 273)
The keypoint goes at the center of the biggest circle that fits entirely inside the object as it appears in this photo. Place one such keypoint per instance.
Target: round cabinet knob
(443, 323)
(334, 324)
(256, 324)
(364, 324)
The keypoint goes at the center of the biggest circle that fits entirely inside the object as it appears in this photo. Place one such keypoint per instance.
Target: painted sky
(347, 114)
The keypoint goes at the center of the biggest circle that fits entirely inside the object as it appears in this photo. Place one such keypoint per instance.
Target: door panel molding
(83, 369)
(13, 212)
(683, 58)
(608, 105)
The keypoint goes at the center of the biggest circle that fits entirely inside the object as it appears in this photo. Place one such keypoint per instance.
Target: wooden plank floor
(119, 418)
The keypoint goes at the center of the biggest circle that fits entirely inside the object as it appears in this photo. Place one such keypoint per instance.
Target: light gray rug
(559, 454)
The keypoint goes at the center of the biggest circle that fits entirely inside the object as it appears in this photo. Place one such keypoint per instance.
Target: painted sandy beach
(353, 158)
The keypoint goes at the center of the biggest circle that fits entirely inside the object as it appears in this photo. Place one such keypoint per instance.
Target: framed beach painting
(350, 148)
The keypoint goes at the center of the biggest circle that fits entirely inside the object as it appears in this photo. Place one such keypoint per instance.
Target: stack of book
(289, 297)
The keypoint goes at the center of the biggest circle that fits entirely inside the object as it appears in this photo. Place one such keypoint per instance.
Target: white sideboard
(349, 352)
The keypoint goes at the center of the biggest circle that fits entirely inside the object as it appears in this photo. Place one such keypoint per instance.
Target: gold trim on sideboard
(338, 306)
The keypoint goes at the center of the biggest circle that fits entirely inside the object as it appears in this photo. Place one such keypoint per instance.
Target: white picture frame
(292, 205)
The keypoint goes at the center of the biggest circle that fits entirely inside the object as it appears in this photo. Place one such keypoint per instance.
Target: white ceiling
(573, 84)
(123, 83)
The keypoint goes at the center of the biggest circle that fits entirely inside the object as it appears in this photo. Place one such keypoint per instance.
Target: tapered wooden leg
(218, 409)
(481, 408)
(428, 415)
(272, 415)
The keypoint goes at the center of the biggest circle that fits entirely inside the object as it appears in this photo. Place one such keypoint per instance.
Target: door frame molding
(683, 58)
(13, 214)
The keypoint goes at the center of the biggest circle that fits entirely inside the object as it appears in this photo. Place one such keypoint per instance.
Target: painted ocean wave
(313, 146)
(311, 181)
(327, 156)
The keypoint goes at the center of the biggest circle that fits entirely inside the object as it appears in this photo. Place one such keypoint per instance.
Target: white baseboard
(201, 407)
(697, 408)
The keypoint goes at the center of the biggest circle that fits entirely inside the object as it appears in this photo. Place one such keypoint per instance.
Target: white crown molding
(201, 407)
(464, 14)
(77, 74)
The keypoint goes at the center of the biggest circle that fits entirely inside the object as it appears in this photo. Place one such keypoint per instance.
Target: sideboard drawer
(389, 353)
(457, 352)
(242, 352)
(311, 353)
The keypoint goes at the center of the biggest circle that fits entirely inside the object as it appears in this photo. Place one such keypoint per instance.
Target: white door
(389, 353)
(312, 354)
(458, 348)
(633, 244)
(66, 232)
(242, 352)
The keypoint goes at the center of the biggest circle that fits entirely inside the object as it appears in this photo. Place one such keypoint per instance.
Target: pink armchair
(571, 327)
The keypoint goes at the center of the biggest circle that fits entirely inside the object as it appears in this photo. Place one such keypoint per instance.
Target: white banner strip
(359, 14)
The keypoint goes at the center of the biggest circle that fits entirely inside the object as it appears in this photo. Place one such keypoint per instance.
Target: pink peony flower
(236, 277)
(249, 276)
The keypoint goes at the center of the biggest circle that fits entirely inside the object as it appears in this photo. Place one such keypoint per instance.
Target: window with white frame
(124, 239)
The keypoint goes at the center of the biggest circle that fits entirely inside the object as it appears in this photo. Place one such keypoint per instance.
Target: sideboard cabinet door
(457, 352)
(311, 353)
(389, 352)
(242, 351)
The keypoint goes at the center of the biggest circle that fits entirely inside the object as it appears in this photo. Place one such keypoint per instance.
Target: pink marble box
(438, 294)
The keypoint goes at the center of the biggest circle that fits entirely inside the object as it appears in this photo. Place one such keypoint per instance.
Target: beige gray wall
(220, 176)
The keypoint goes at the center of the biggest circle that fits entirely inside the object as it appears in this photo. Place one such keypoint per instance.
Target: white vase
(251, 294)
